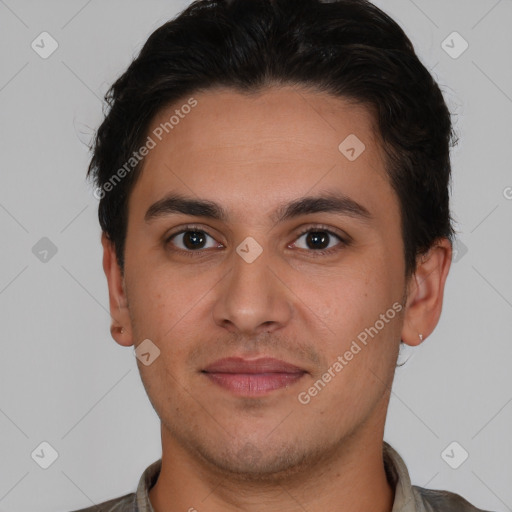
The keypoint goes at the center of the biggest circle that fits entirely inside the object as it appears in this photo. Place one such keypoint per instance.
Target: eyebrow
(337, 203)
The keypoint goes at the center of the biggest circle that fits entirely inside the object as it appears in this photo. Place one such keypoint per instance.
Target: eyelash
(324, 252)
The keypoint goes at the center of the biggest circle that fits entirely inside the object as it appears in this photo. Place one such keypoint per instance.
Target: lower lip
(254, 384)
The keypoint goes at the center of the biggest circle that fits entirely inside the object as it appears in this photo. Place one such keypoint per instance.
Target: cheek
(362, 307)
(349, 297)
(172, 309)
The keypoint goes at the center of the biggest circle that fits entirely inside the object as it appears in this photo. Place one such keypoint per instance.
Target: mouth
(256, 377)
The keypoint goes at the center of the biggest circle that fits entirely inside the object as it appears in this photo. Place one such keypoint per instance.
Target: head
(248, 108)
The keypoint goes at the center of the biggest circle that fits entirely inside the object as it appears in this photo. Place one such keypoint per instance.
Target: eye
(319, 240)
(192, 239)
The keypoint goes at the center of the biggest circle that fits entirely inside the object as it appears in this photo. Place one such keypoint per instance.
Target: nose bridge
(251, 298)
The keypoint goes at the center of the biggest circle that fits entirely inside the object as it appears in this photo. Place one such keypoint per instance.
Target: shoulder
(124, 503)
(444, 501)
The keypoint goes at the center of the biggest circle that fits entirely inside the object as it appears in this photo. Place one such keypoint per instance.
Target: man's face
(206, 295)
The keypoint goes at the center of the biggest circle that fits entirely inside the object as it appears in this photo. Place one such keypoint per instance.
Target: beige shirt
(408, 498)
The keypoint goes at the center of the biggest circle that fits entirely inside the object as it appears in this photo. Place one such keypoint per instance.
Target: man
(273, 181)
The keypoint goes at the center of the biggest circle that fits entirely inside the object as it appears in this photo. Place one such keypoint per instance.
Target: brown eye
(194, 239)
(191, 239)
(318, 240)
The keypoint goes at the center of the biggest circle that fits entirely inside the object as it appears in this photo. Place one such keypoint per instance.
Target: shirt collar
(398, 477)
(396, 471)
(147, 480)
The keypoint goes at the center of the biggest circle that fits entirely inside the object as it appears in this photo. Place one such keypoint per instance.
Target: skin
(250, 153)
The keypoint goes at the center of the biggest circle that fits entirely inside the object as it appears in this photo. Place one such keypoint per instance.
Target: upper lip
(261, 365)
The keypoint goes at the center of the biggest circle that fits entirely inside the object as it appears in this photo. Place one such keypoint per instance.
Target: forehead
(249, 151)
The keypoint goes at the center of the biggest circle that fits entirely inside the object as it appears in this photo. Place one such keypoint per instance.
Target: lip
(260, 365)
(253, 377)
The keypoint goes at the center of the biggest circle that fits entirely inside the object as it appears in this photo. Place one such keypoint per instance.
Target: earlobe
(425, 293)
(121, 325)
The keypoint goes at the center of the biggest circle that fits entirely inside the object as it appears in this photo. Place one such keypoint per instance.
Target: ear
(121, 329)
(425, 293)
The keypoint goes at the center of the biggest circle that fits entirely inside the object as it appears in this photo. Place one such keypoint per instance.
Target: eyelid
(328, 229)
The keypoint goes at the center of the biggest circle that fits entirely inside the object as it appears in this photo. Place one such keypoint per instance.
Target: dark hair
(348, 48)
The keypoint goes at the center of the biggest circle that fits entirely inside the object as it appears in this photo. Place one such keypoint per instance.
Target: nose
(252, 298)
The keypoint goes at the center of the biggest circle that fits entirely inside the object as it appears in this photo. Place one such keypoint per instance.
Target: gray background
(66, 382)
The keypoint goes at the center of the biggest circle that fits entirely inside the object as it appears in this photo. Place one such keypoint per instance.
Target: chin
(259, 464)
